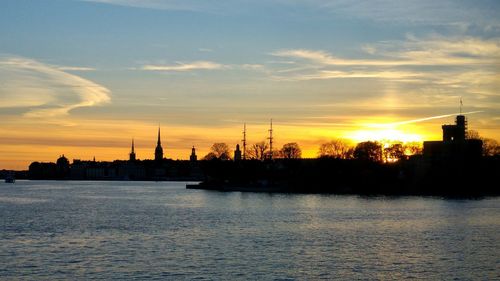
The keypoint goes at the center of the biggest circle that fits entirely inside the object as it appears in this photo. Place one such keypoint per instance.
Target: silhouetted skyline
(87, 76)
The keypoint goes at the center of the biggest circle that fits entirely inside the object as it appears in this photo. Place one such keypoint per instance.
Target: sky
(84, 78)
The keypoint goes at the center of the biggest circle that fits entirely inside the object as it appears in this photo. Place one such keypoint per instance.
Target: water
(148, 230)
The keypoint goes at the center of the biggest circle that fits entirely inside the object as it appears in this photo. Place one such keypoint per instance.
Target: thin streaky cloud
(205, 50)
(252, 66)
(458, 14)
(209, 6)
(397, 60)
(196, 65)
(75, 68)
(421, 119)
(434, 50)
(395, 75)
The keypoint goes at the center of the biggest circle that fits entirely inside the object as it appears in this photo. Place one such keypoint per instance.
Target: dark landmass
(22, 175)
(460, 175)
(454, 167)
(415, 176)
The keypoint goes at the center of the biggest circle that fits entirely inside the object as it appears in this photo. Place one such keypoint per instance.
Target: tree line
(337, 149)
(257, 151)
(342, 149)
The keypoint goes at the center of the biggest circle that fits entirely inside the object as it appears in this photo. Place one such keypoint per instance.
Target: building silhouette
(455, 132)
(193, 156)
(455, 144)
(132, 153)
(158, 149)
(62, 165)
(237, 153)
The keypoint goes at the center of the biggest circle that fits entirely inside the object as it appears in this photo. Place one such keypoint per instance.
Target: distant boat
(10, 179)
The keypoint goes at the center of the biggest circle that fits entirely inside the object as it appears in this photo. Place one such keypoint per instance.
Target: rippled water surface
(160, 230)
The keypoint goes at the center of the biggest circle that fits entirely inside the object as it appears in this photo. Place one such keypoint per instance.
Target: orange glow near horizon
(107, 140)
(111, 140)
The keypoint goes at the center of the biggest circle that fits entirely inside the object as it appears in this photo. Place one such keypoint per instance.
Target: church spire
(132, 152)
(159, 141)
(158, 149)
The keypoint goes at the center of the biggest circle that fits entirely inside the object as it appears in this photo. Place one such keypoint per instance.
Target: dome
(62, 161)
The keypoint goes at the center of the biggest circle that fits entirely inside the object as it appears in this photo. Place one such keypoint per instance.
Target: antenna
(461, 104)
(271, 139)
(244, 141)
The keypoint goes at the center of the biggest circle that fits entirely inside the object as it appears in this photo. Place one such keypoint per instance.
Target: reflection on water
(148, 230)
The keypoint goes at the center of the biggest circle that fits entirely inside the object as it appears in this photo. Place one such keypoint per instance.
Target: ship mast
(271, 140)
(244, 141)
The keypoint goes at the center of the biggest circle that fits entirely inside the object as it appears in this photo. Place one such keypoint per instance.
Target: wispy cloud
(205, 50)
(461, 15)
(180, 66)
(44, 90)
(252, 66)
(388, 59)
(199, 65)
(75, 68)
(335, 74)
(413, 52)
(176, 5)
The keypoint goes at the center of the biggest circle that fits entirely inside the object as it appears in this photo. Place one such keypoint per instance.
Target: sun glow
(385, 135)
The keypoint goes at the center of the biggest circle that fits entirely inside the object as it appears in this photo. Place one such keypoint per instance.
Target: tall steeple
(159, 141)
(158, 149)
(132, 152)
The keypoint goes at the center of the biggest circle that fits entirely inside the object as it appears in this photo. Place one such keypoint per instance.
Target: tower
(237, 153)
(158, 149)
(132, 152)
(193, 156)
(458, 131)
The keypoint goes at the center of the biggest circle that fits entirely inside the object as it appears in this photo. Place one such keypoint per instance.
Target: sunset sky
(82, 78)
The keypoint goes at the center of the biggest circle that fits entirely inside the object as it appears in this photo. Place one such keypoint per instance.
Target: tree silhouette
(412, 148)
(472, 135)
(394, 152)
(258, 150)
(337, 148)
(219, 151)
(210, 156)
(290, 151)
(368, 150)
(491, 147)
